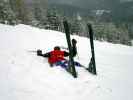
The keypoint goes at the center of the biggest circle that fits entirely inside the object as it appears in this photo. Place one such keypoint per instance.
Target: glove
(74, 41)
(39, 52)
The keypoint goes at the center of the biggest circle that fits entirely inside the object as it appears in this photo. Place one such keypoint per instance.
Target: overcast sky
(102, 4)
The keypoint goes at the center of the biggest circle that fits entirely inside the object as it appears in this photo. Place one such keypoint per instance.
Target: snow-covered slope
(25, 76)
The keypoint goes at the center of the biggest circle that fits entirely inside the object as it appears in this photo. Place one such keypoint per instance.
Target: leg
(61, 63)
(64, 64)
(77, 64)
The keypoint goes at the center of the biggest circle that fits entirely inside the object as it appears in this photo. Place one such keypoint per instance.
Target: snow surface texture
(25, 76)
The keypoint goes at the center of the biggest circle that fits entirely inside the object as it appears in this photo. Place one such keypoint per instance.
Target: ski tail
(92, 65)
(71, 68)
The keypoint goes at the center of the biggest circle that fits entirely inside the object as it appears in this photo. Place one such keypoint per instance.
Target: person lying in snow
(57, 56)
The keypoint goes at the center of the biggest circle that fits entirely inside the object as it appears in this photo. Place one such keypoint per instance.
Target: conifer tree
(7, 16)
(52, 20)
(75, 26)
(19, 7)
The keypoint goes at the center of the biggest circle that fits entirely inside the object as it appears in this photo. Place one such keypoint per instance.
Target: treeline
(39, 14)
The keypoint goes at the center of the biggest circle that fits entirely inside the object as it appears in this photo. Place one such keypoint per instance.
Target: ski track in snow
(25, 76)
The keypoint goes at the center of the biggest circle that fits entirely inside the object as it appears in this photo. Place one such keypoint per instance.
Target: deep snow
(25, 76)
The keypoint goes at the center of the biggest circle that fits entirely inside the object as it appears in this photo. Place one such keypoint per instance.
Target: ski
(92, 65)
(71, 65)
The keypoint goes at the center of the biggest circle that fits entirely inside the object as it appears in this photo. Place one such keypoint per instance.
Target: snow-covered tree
(21, 11)
(53, 20)
(76, 25)
(7, 16)
(109, 32)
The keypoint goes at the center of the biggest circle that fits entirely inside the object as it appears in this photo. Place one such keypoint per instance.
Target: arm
(74, 48)
(39, 53)
(46, 54)
(74, 52)
(66, 54)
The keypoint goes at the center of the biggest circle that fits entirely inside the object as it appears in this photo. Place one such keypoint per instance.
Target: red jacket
(56, 56)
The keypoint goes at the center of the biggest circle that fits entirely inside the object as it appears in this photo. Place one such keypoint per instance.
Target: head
(56, 48)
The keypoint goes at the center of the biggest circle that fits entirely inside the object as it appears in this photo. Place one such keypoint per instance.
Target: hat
(56, 48)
